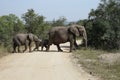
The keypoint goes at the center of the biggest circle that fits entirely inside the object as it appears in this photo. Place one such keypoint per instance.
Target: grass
(3, 51)
(91, 62)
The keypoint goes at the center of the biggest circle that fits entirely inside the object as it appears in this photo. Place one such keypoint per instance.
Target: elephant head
(78, 30)
(32, 37)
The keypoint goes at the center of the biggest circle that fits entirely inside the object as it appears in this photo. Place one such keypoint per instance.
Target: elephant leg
(30, 46)
(19, 49)
(14, 48)
(85, 43)
(36, 48)
(72, 47)
(37, 44)
(25, 48)
(75, 44)
(42, 46)
(16, 44)
(46, 46)
(59, 49)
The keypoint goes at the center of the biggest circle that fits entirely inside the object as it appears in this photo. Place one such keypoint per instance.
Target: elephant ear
(30, 36)
(83, 33)
(73, 30)
(35, 38)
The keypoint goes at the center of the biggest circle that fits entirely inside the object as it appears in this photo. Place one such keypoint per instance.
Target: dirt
(38, 65)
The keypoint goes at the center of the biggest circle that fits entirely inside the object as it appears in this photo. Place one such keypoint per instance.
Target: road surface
(38, 65)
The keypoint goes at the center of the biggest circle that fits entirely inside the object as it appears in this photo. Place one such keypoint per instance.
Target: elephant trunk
(85, 37)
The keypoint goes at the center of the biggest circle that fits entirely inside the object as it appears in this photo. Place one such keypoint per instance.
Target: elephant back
(58, 35)
(20, 38)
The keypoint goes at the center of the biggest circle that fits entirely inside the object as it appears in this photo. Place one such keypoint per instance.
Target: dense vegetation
(103, 25)
(103, 29)
(9, 25)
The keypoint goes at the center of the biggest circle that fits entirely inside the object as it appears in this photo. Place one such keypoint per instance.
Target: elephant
(43, 43)
(24, 39)
(61, 34)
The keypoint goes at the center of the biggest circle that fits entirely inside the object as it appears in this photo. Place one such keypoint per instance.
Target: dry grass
(100, 63)
(3, 51)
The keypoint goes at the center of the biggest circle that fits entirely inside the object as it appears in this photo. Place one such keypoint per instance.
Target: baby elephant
(43, 43)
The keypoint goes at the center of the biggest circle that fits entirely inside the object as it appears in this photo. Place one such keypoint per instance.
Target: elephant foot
(71, 51)
(30, 51)
(23, 51)
(38, 50)
(74, 49)
(13, 51)
(47, 49)
(60, 50)
(20, 52)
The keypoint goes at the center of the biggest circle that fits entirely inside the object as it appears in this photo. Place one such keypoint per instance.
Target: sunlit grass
(3, 51)
(92, 63)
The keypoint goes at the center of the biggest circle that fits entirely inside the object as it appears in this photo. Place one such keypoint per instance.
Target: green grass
(91, 63)
(3, 51)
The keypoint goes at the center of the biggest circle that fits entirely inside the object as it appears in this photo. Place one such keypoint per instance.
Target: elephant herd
(57, 35)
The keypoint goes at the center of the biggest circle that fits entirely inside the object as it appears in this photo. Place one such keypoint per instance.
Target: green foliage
(3, 51)
(35, 23)
(9, 25)
(103, 25)
(59, 22)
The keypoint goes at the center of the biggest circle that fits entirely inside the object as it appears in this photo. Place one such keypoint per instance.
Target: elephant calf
(43, 43)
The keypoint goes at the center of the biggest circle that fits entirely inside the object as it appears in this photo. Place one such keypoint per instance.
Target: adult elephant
(58, 35)
(24, 39)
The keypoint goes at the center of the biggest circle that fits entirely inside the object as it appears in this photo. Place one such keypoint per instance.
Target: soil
(39, 65)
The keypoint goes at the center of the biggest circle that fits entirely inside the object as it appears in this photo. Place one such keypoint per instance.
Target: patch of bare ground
(110, 58)
(42, 65)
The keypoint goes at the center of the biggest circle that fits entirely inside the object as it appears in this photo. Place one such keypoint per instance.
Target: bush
(103, 25)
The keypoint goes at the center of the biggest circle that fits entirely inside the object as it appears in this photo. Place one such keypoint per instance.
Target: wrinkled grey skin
(58, 35)
(23, 39)
(43, 43)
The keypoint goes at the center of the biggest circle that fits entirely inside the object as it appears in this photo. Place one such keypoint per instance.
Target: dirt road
(51, 65)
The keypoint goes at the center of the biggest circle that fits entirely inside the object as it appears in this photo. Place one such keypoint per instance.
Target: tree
(103, 25)
(9, 25)
(35, 23)
(59, 22)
